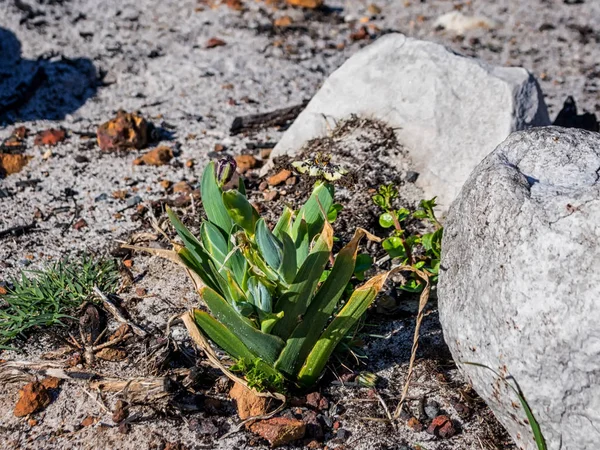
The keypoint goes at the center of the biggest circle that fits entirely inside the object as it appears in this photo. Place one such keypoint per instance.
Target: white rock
(459, 23)
(449, 111)
(519, 287)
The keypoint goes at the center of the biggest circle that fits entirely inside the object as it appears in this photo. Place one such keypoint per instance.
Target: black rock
(411, 176)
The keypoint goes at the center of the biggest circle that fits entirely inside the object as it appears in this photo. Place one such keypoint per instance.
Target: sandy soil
(151, 56)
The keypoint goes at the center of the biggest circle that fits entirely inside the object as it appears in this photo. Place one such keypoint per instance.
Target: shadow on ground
(49, 87)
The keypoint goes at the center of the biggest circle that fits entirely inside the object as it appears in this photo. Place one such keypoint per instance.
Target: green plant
(533, 423)
(419, 251)
(46, 297)
(271, 307)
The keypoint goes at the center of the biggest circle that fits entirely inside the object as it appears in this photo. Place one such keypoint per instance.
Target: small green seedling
(47, 297)
(419, 251)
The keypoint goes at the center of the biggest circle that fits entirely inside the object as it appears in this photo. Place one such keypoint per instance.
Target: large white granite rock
(519, 286)
(450, 111)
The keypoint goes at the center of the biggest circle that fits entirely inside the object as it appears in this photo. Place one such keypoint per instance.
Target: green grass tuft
(46, 297)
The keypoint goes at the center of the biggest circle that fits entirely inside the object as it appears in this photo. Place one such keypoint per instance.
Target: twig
(139, 389)
(112, 308)
(102, 405)
(148, 388)
(16, 371)
(385, 408)
(113, 342)
(274, 118)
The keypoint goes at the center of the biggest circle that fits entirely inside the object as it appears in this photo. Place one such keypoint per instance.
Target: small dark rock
(314, 429)
(132, 201)
(326, 419)
(461, 409)
(411, 176)
(343, 434)
(336, 409)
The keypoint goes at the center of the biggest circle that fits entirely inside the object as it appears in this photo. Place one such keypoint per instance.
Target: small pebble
(132, 201)
(343, 434)
(432, 409)
(411, 176)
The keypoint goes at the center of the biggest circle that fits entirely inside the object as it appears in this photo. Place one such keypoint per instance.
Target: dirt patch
(173, 396)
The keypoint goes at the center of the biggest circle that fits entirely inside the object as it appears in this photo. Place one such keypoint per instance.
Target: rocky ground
(190, 69)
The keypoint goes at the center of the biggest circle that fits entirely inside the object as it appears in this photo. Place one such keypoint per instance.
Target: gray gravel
(150, 56)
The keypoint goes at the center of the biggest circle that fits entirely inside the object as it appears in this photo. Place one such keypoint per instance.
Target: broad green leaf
(189, 240)
(402, 214)
(379, 200)
(289, 267)
(221, 336)
(412, 285)
(420, 214)
(268, 320)
(304, 336)
(386, 220)
(196, 257)
(284, 224)
(212, 201)
(320, 200)
(426, 240)
(333, 212)
(302, 243)
(200, 265)
(363, 262)
(235, 292)
(324, 275)
(244, 308)
(394, 246)
(352, 311)
(269, 246)
(265, 346)
(214, 242)
(299, 295)
(240, 210)
(260, 295)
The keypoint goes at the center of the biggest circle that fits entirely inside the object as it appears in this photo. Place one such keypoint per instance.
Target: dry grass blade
(112, 308)
(422, 303)
(137, 389)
